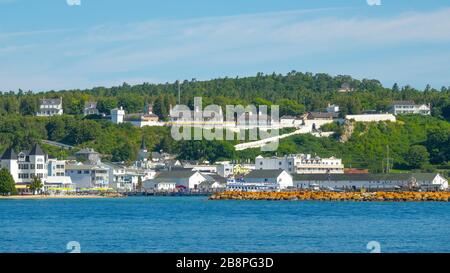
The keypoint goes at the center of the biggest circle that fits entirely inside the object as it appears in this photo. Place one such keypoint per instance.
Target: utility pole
(387, 168)
(179, 93)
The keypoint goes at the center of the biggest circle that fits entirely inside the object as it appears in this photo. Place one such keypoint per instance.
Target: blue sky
(49, 44)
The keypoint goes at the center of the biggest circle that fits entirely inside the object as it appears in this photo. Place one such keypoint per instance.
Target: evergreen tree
(7, 184)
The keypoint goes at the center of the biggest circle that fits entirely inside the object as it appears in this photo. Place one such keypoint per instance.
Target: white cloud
(74, 2)
(218, 44)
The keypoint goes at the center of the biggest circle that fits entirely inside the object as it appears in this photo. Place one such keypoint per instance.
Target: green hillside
(415, 142)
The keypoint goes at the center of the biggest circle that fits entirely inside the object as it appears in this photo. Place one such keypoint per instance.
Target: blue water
(194, 224)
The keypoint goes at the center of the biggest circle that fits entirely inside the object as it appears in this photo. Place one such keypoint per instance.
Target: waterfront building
(26, 165)
(154, 185)
(88, 175)
(125, 178)
(117, 115)
(409, 107)
(186, 179)
(50, 107)
(262, 180)
(300, 163)
(392, 181)
(214, 182)
(90, 108)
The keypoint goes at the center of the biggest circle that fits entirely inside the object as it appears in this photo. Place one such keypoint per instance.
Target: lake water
(194, 224)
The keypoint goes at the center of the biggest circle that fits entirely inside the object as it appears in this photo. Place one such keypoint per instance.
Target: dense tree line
(415, 142)
(295, 92)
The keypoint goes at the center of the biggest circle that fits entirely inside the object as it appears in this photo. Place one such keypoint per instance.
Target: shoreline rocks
(335, 196)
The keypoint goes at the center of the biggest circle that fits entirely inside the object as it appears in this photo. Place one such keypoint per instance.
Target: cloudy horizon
(406, 45)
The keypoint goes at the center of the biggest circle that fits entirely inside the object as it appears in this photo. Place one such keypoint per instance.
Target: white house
(123, 178)
(186, 179)
(88, 175)
(117, 115)
(409, 107)
(428, 181)
(262, 180)
(50, 107)
(90, 108)
(26, 165)
(300, 163)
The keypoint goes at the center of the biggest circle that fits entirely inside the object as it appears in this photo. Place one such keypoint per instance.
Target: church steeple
(143, 146)
(143, 154)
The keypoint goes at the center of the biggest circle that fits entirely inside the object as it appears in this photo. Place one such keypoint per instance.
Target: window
(40, 166)
(23, 175)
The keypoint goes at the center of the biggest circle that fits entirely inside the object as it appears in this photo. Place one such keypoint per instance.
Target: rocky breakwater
(334, 196)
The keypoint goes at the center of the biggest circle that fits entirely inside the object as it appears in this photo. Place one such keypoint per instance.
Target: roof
(86, 151)
(215, 178)
(9, 154)
(51, 101)
(264, 174)
(90, 104)
(322, 115)
(175, 174)
(366, 177)
(403, 102)
(84, 167)
(36, 150)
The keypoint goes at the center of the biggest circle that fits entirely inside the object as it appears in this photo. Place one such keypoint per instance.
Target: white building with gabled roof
(50, 107)
(26, 165)
(262, 180)
(409, 107)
